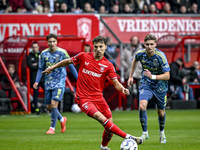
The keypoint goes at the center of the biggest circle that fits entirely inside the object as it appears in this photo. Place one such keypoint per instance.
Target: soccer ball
(75, 108)
(128, 144)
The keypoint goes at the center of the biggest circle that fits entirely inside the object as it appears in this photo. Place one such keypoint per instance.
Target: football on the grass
(128, 144)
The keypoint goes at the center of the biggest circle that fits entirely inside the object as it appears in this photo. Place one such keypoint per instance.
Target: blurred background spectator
(182, 9)
(33, 6)
(6, 86)
(63, 8)
(87, 48)
(127, 58)
(5, 6)
(102, 10)
(17, 6)
(145, 9)
(194, 9)
(114, 9)
(111, 53)
(166, 9)
(178, 83)
(127, 9)
(153, 9)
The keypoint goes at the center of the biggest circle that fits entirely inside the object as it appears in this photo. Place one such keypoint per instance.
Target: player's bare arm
(130, 80)
(120, 87)
(63, 63)
(164, 76)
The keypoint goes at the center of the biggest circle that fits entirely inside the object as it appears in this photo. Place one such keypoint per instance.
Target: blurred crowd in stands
(101, 6)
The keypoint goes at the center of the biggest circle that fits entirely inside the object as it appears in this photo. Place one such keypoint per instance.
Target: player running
(154, 83)
(54, 82)
(94, 68)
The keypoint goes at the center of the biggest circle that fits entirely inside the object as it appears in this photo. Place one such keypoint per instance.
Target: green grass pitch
(27, 132)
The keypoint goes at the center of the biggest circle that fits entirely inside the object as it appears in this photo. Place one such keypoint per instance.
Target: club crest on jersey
(155, 63)
(141, 91)
(57, 58)
(102, 68)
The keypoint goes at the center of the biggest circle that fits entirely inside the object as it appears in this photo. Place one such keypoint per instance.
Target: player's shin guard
(143, 120)
(106, 137)
(161, 121)
(112, 128)
(54, 116)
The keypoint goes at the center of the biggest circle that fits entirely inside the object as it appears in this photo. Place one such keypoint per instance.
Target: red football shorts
(91, 107)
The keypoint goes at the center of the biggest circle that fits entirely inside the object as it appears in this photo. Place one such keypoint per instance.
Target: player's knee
(142, 107)
(161, 113)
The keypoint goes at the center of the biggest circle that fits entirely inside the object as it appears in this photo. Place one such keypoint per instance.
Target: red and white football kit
(90, 84)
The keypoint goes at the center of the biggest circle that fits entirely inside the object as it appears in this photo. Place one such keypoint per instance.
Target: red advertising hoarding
(39, 25)
(126, 27)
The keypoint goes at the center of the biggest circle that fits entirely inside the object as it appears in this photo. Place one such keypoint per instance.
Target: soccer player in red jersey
(94, 68)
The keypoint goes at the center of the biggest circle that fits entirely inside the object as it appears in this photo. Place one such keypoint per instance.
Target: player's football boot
(138, 140)
(144, 136)
(162, 137)
(104, 148)
(63, 125)
(50, 131)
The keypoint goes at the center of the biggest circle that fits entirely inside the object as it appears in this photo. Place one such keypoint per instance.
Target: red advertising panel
(125, 27)
(40, 25)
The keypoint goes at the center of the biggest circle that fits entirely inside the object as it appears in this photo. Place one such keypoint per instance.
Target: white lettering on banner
(91, 73)
(25, 29)
(158, 25)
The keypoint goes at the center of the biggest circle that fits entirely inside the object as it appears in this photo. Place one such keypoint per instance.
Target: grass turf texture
(27, 132)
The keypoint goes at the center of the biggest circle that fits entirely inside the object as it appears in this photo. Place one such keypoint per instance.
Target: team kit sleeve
(77, 59)
(40, 68)
(165, 64)
(112, 72)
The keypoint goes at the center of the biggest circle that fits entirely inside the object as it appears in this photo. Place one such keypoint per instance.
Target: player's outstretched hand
(130, 82)
(125, 91)
(35, 85)
(47, 71)
(147, 73)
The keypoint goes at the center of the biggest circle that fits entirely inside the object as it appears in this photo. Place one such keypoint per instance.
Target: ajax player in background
(94, 68)
(54, 82)
(154, 83)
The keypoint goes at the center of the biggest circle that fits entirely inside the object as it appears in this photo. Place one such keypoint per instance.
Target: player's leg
(144, 96)
(90, 109)
(48, 95)
(161, 120)
(161, 100)
(57, 96)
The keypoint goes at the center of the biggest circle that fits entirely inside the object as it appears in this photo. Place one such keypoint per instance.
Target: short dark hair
(149, 37)
(51, 35)
(35, 43)
(99, 39)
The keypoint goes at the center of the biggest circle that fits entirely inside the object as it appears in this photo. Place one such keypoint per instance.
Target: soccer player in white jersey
(54, 82)
(154, 83)
(94, 68)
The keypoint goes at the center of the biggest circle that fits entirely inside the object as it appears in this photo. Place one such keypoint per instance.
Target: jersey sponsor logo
(86, 63)
(103, 65)
(91, 73)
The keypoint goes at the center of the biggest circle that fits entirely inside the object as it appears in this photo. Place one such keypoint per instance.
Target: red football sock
(106, 137)
(113, 128)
